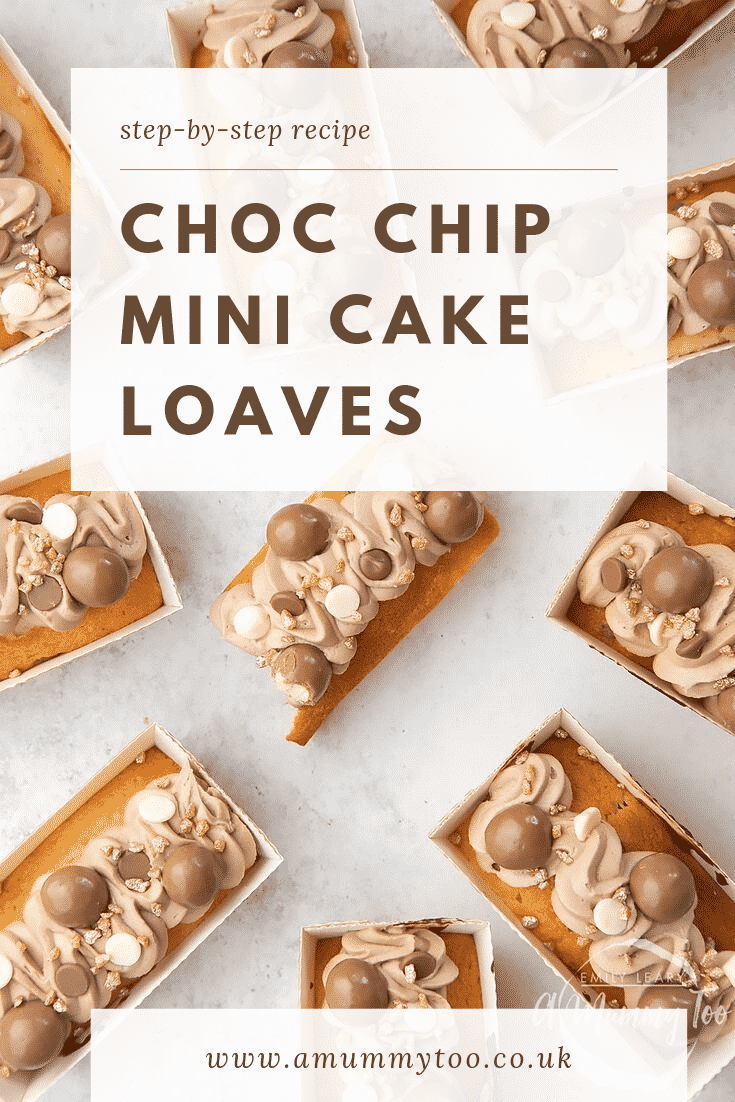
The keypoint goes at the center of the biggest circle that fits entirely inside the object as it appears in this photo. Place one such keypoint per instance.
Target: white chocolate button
(20, 299)
(585, 823)
(342, 601)
(6, 972)
(656, 629)
(517, 15)
(156, 809)
(611, 917)
(251, 622)
(123, 950)
(628, 7)
(683, 242)
(621, 311)
(729, 968)
(421, 1019)
(280, 276)
(60, 521)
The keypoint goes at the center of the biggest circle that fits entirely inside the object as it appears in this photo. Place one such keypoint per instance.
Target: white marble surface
(351, 812)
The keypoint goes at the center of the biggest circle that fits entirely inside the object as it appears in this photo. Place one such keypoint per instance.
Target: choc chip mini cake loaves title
(342, 269)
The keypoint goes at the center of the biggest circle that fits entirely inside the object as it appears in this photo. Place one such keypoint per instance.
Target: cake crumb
(529, 922)
(456, 839)
(141, 756)
(583, 752)
(696, 509)
(722, 582)
(561, 734)
(395, 517)
(522, 758)
(13, 673)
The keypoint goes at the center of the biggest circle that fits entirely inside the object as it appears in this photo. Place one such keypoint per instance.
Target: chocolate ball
(288, 602)
(31, 1035)
(191, 876)
(452, 515)
(722, 214)
(6, 244)
(303, 673)
(711, 292)
(590, 241)
(673, 997)
(356, 985)
(54, 243)
(28, 512)
(46, 596)
(575, 53)
(296, 55)
(677, 579)
(95, 576)
(298, 532)
(424, 964)
(662, 887)
(75, 896)
(72, 981)
(613, 575)
(552, 286)
(375, 564)
(726, 701)
(134, 866)
(520, 838)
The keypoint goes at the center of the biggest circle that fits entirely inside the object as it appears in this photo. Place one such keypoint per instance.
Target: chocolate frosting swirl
(389, 948)
(246, 31)
(29, 552)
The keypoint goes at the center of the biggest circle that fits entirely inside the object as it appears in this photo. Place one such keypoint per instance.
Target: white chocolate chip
(251, 622)
(629, 7)
(60, 520)
(20, 299)
(156, 809)
(123, 950)
(611, 917)
(585, 823)
(517, 15)
(682, 242)
(6, 971)
(342, 601)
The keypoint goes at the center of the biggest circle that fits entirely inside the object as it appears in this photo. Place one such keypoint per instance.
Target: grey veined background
(352, 811)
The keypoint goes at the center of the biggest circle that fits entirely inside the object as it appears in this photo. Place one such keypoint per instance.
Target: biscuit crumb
(696, 509)
(529, 922)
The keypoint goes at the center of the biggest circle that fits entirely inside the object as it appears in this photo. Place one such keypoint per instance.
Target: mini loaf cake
(667, 595)
(400, 966)
(274, 34)
(90, 929)
(701, 266)
(309, 605)
(596, 34)
(74, 569)
(35, 247)
(609, 888)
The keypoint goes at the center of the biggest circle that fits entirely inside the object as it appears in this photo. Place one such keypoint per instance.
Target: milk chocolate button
(662, 887)
(54, 243)
(722, 214)
(303, 672)
(75, 896)
(190, 876)
(28, 512)
(673, 997)
(46, 596)
(452, 515)
(677, 579)
(423, 963)
(711, 292)
(288, 602)
(356, 985)
(726, 701)
(296, 55)
(590, 241)
(31, 1036)
(375, 564)
(693, 647)
(72, 981)
(298, 532)
(575, 53)
(552, 286)
(95, 576)
(613, 575)
(133, 866)
(520, 837)
(6, 244)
